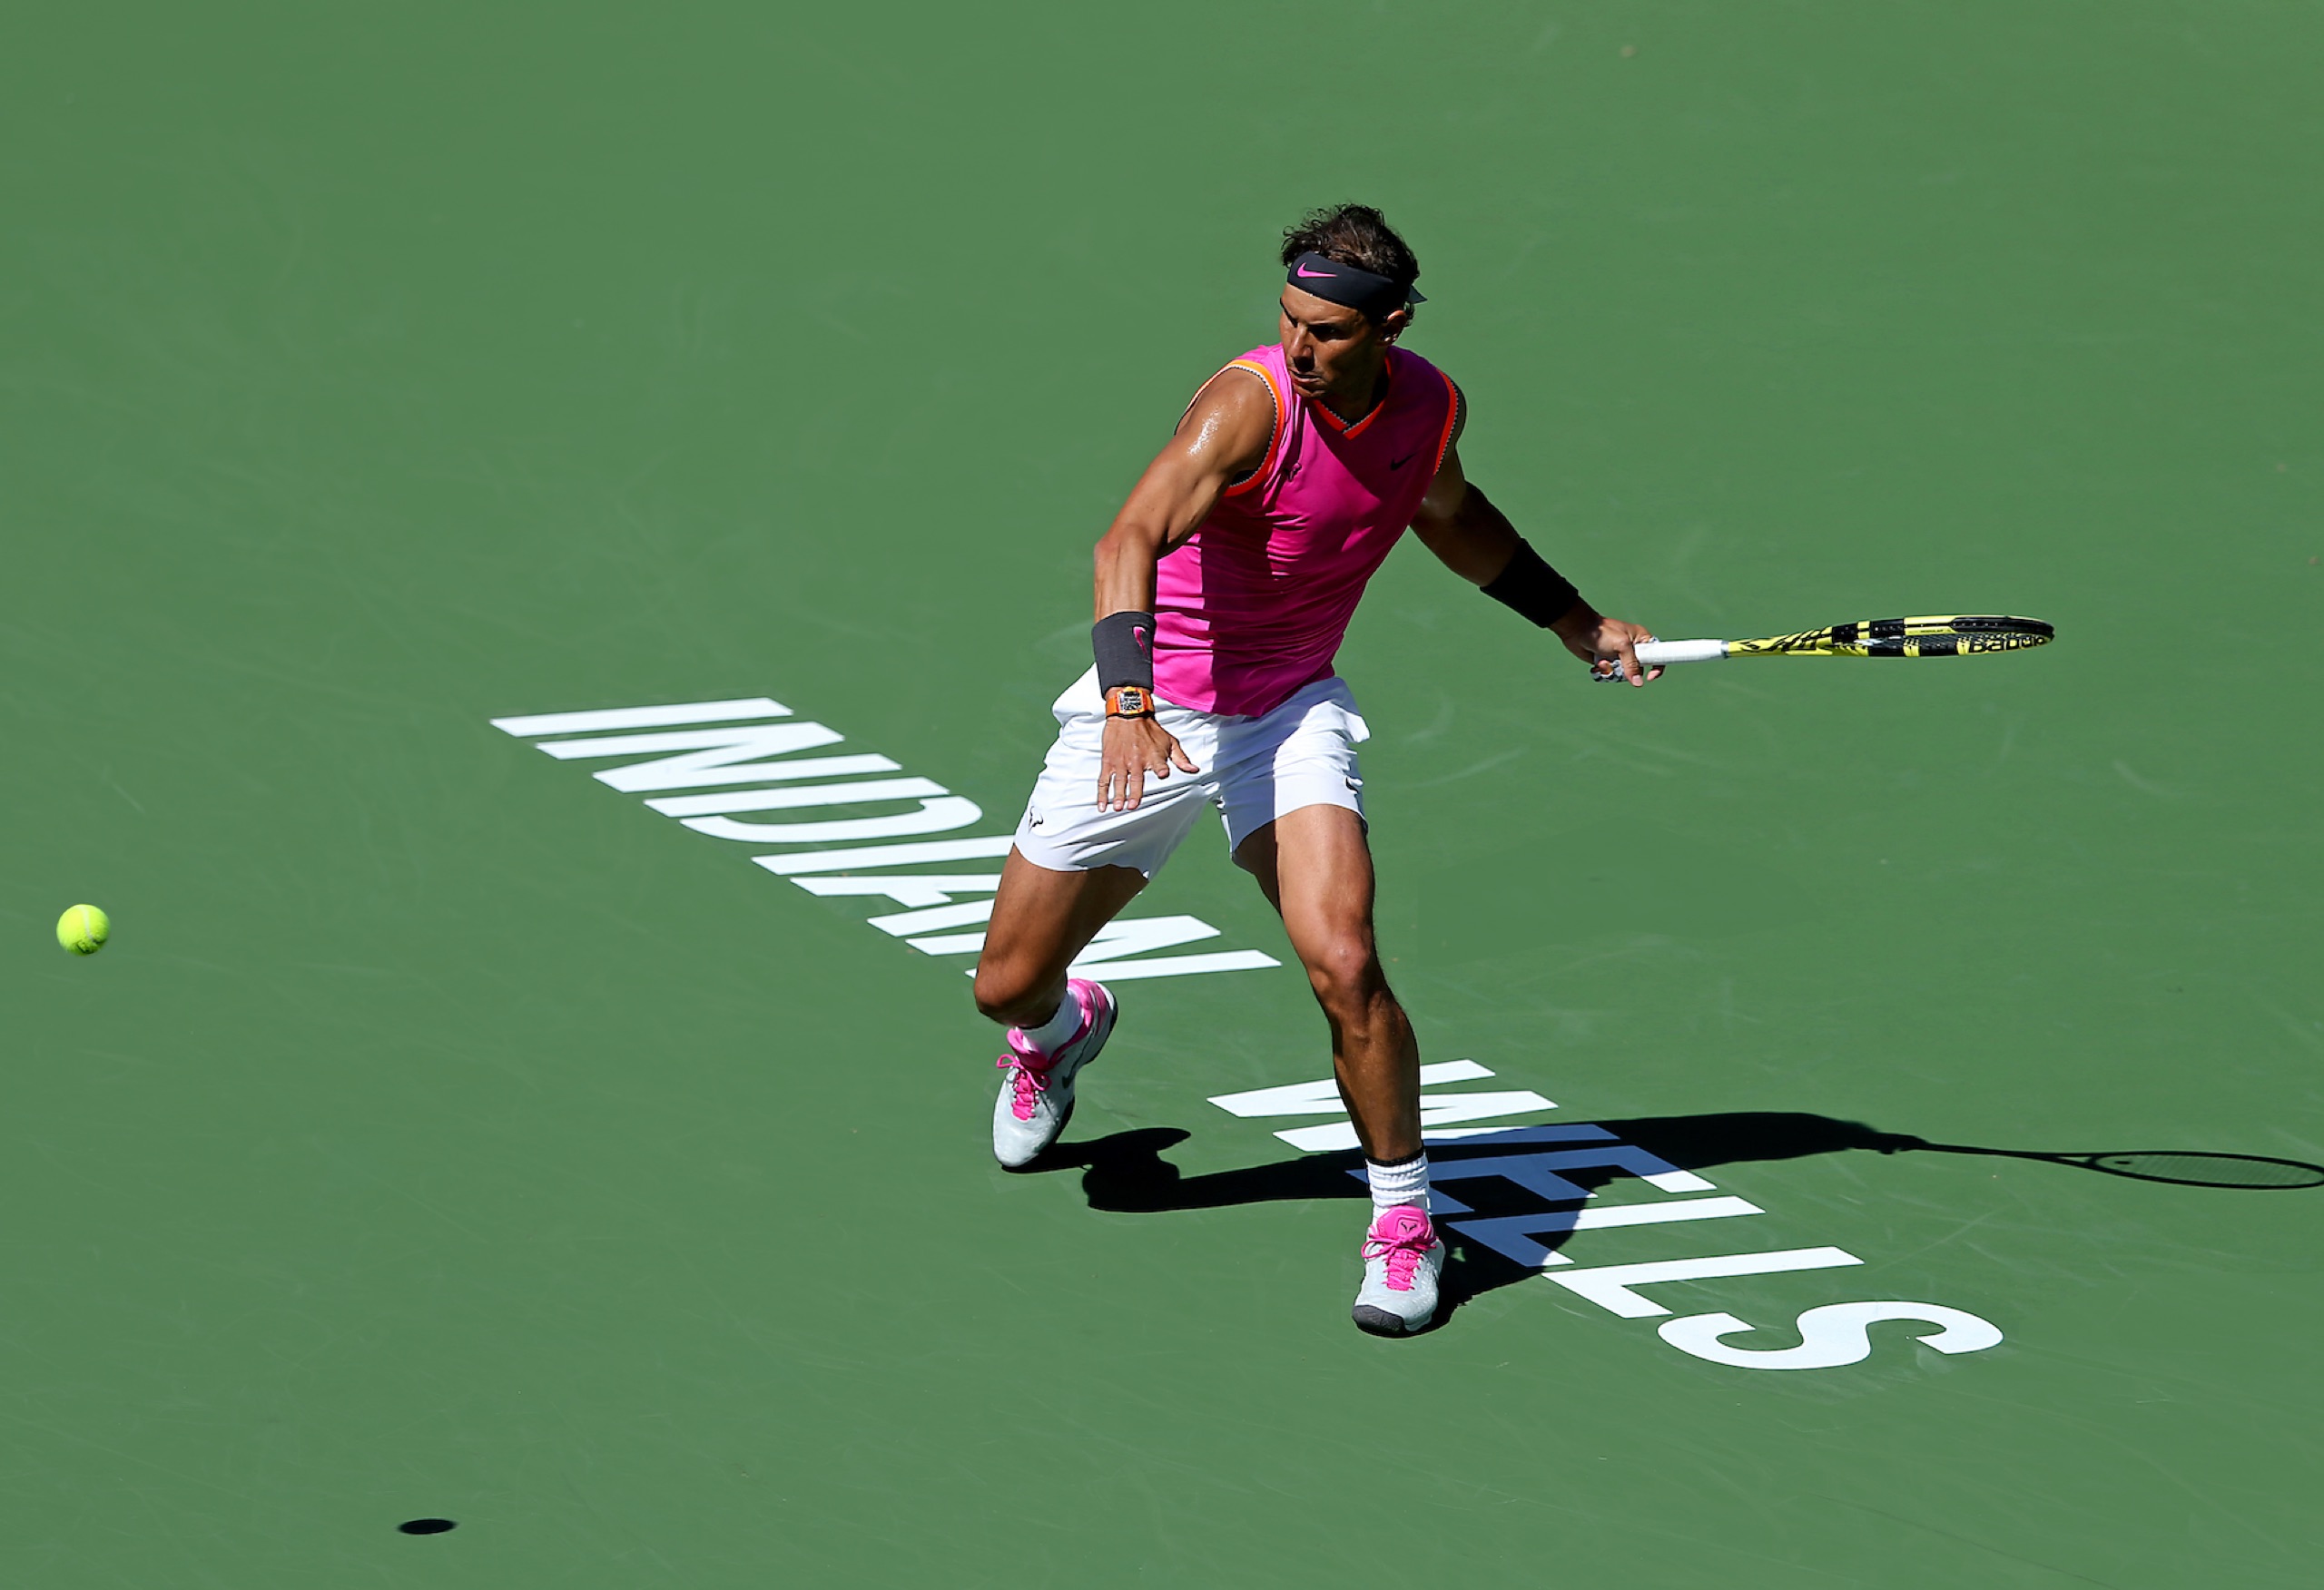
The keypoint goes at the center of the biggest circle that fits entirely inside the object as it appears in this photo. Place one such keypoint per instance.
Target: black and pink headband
(1377, 296)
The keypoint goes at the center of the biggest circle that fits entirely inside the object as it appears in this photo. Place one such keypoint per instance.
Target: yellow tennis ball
(83, 930)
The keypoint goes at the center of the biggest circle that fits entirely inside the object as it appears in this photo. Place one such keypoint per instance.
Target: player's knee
(998, 994)
(1344, 971)
(1005, 994)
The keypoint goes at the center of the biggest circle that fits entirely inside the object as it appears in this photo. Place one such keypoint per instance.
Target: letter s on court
(1830, 1335)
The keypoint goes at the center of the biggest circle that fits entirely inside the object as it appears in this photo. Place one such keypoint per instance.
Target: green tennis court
(446, 1134)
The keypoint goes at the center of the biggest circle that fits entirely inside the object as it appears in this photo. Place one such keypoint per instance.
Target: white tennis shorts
(1252, 770)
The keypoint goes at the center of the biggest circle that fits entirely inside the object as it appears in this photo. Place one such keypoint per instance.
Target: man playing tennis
(1224, 589)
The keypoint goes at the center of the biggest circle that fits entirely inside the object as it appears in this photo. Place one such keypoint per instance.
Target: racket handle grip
(1657, 653)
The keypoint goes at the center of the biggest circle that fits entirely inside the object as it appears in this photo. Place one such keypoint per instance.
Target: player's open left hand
(1136, 748)
(1606, 644)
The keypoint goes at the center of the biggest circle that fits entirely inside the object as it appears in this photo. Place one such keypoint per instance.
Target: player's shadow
(1126, 1174)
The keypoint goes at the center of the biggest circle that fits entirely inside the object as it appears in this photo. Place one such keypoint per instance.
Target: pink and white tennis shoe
(1037, 1090)
(1401, 1259)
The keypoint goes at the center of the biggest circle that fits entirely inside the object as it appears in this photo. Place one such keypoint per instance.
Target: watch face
(1131, 700)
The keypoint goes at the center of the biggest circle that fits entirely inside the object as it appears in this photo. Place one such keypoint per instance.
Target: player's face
(1331, 347)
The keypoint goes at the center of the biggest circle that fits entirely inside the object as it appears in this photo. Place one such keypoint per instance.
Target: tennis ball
(83, 930)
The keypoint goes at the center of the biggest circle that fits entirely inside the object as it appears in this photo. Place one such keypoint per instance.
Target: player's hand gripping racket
(1958, 635)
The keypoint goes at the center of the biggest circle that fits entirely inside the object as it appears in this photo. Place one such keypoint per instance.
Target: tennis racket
(1956, 635)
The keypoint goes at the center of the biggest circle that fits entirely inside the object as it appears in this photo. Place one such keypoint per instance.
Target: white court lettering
(1830, 1335)
(909, 889)
(706, 756)
(1437, 1110)
(1114, 940)
(983, 848)
(1119, 939)
(1179, 965)
(1613, 1287)
(792, 796)
(934, 816)
(1536, 1172)
(1323, 1097)
(606, 721)
(1511, 1235)
(749, 765)
(904, 923)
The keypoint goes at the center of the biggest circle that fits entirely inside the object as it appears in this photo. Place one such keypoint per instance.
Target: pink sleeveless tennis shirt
(1253, 607)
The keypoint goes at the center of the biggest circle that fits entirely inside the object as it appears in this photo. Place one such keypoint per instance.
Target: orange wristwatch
(1127, 701)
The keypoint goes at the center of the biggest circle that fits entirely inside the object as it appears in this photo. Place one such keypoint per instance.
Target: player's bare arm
(1223, 435)
(1476, 541)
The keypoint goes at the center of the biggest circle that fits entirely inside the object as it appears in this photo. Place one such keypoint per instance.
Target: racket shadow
(1126, 1174)
(2240, 1173)
(1692, 1141)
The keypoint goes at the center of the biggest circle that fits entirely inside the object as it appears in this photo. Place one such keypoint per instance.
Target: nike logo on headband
(1339, 282)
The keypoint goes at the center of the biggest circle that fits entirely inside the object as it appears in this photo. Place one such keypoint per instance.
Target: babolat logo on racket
(2002, 634)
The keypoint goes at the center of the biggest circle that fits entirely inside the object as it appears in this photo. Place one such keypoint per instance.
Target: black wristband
(1124, 642)
(1533, 588)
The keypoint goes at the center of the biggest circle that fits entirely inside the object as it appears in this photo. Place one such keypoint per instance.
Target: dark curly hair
(1354, 234)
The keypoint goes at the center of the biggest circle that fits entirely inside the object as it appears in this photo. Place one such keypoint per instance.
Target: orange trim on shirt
(1451, 418)
(1343, 427)
(1275, 440)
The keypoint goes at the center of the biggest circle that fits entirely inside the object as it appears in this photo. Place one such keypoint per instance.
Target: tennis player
(1224, 589)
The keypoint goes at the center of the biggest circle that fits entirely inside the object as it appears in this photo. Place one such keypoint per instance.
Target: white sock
(1051, 1035)
(1404, 1182)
